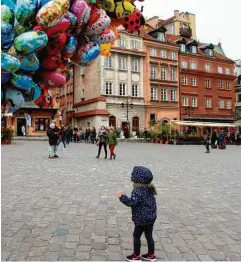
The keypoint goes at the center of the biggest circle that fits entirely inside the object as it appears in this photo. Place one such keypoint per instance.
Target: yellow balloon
(105, 49)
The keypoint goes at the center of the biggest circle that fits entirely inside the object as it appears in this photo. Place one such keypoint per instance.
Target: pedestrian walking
(23, 129)
(207, 141)
(102, 141)
(52, 134)
(62, 136)
(112, 142)
(143, 205)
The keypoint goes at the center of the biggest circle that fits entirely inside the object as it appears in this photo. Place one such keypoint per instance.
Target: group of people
(64, 135)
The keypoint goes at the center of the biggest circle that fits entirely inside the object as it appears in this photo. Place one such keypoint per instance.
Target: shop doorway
(20, 123)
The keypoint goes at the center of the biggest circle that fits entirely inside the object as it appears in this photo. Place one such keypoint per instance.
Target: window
(183, 64)
(134, 90)
(153, 93)
(153, 51)
(208, 102)
(173, 74)
(173, 55)
(109, 62)
(135, 44)
(152, 117)
(185, 101)
(163, 54)
(193, 65)
(122, 42)
(210, 52)
(184, 80)
(220, 84)
(153, 72)
(227, 71)
(122, 63)
(220, 70)
(173, 95)
(172, 29)
(193, 81)
(135, 123)
(194, 49)
(228, 104)
(122, 89)
(161, 37)
(227, 85)
(207, 83)
(194, 101)
(164, 94)
(221, 104)
(42, 124)
(112, 121)
(183, 48)
(163, 73)
(108, 88)
(207, 68)
(135, 64)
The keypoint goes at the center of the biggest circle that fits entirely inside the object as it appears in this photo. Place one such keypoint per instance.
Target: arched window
(135, 123)
(112, 121)
(164, 122)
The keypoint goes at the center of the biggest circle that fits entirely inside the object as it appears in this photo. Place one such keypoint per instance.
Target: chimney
(219, 44)
(176, 13)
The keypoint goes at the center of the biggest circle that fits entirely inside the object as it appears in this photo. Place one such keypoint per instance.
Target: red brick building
(207, 86)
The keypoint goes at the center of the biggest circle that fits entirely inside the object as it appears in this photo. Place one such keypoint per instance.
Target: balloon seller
(41, 41)
(143, 205)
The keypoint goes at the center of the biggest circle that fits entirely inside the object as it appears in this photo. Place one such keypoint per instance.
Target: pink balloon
(81, 10)
(53, 79)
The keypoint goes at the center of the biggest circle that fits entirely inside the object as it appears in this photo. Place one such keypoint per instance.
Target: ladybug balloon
(133, 22)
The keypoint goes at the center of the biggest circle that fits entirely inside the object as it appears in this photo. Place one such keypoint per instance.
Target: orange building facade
(161, 78)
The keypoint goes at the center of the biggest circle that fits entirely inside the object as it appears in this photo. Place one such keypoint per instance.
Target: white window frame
(227, 71)
(210, 52)
(173, 55)
(220, 84)
(184, 81)
(163, 53)
(109, 62)
(184, 64)
(108, 88)
(173, 95)
(135, 64)
(135, 44)
(153, 52)
(183, 48)
(193, 81)
(122, 63)
(163, 73)
(193, 65)
(173, 73)
(122, 42)
(194, 101)
(135, 90)
(160, 36)
(207, 67)
(153, 93)
(207, 83)
(185, 100)
(208, 102)
(220, 70)
(153, 72)
(122, 89)
(228, 86)
(164, 94)
(221, 104)
(194, 49)
(228, 104)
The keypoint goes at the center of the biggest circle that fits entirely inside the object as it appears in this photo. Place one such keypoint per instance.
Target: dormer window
(183, 48)
(161, 37)
(210, 52)
(194, 49)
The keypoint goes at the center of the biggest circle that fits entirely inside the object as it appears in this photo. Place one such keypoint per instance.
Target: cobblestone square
(66, 209)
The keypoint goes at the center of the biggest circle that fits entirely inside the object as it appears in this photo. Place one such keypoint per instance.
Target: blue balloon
(10, 3)
(15, 96)
(37, 92)
(29, 62)
(4, 77)
(22, 82)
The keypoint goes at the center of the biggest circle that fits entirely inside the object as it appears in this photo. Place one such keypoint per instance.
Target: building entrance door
(126, 129)
(20, 123)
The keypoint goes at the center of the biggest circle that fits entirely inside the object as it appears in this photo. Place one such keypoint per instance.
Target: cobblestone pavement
(66, 210)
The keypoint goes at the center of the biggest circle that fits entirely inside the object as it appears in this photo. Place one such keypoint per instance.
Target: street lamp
(127, 105)
(189, 110)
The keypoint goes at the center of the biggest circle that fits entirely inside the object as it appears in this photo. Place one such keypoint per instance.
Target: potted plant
(6, 135)
(153, 136)
(118, 132)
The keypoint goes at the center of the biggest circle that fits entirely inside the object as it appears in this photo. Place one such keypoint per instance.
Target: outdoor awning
(203, 124)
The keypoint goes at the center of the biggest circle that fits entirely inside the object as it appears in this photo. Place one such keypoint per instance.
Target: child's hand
(119, 194)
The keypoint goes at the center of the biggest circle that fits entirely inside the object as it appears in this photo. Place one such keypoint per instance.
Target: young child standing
(143, 205)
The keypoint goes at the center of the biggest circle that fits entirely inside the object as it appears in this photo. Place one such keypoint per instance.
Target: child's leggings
(148, 229)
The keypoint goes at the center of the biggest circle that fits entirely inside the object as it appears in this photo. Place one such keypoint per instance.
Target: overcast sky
(217, 20)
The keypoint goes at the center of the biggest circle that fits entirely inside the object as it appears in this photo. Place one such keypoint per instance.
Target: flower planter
(6, 142)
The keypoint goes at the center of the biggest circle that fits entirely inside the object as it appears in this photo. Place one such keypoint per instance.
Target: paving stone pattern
(66, 210)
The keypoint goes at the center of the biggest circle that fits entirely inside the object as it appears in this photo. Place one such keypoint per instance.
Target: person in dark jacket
(62, 136)
(214, 138)
(102, 141)
(144, 210)
(52, 134)
(207, 142)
